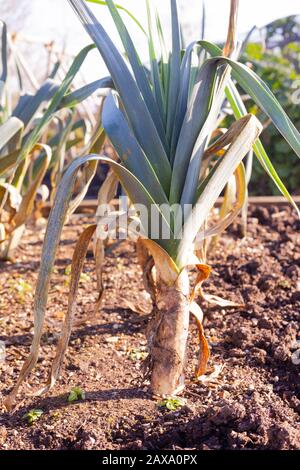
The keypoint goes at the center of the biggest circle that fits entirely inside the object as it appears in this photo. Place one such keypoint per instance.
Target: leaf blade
(136, 110)
(130, 153)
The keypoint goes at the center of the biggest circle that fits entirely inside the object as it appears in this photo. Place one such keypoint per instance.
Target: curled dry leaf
(27, 204)
(204, 353)
(218, 301)
(213, 376)
(203, 274)
(127, 304)
(165, 266)
(196, 310)
(99, 253)
(147, 264)
(76, 270)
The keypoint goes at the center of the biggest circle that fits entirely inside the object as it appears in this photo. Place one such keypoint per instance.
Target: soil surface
(250, 396)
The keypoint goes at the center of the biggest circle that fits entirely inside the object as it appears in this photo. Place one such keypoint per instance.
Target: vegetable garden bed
(250, 396)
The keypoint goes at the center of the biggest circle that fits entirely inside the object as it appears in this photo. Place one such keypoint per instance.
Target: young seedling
(33, 415)
(137, 355)
(285, 284)
(76, 394)
(83, 276)
(171, 404)
(22, 287)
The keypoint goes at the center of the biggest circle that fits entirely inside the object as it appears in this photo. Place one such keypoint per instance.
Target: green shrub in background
(276, 59)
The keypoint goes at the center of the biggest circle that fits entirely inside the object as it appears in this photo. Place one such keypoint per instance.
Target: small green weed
(171, 404)
(33, 415)
(137, 355)
(76, 394)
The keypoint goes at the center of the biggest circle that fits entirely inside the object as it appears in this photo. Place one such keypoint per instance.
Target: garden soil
(250, 396)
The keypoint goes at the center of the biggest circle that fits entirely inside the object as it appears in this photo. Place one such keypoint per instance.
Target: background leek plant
(35, 140)
(163, 128)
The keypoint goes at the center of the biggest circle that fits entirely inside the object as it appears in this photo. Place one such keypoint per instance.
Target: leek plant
(34, 141)
(163, 126)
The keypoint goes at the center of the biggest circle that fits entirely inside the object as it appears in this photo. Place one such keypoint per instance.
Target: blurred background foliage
(275, 57)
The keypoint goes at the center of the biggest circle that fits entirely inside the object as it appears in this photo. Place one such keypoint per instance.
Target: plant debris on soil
(250, 396)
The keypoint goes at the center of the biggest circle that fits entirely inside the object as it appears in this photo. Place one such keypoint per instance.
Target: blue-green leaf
(128, 149)
(174, 83)
(134, 105)
(28, 105)
(139, 71)
(194, 120)
(70, 100)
